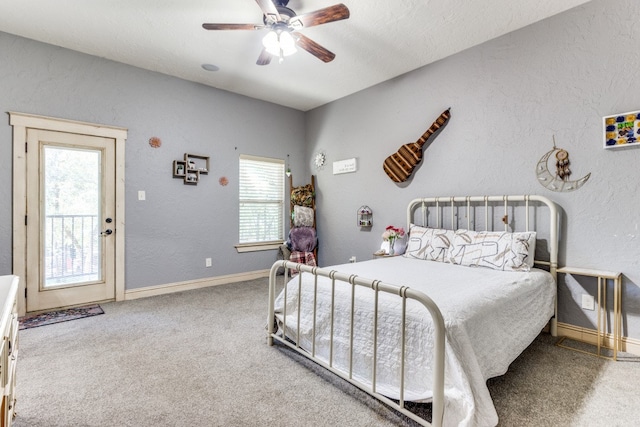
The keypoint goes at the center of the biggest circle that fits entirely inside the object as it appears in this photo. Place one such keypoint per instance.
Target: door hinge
(26, 147)
(25, 220)
(25, 293)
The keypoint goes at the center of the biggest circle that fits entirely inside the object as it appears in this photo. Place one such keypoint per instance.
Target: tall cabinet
(8, 347)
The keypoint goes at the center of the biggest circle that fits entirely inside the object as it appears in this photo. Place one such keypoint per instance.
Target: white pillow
(494, 249)
(427, 243)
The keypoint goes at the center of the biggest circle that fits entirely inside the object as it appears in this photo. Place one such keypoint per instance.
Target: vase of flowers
(391, 234)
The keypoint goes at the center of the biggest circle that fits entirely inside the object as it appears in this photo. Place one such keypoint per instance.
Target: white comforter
(491, 317)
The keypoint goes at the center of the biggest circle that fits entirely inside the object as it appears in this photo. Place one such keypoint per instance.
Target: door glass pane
(72, 216)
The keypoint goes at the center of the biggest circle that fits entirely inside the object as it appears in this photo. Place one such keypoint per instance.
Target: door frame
(20, 123)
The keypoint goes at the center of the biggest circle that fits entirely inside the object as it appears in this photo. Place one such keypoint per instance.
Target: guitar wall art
(400, 165)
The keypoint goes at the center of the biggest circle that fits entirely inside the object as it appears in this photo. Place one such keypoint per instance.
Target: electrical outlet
(207, 262)
(588, 302)
(352, 259)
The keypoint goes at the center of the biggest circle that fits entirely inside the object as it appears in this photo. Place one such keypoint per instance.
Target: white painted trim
(188, 285)
(19, 203)
(590, 336)
(120, 219)
(254, 247)
(20, 123)
(262, 159)
(65, 125)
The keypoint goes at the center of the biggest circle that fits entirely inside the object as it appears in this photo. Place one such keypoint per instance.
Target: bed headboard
(490, 213)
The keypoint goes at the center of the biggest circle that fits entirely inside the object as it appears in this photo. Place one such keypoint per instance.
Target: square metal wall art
(622, 130)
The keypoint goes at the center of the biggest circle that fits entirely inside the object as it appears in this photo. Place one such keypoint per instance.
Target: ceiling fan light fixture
(270, 42)
(287, 43)
(282, 25)
(279, 43)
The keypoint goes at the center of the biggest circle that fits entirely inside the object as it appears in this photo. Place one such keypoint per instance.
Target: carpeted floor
(200, 358)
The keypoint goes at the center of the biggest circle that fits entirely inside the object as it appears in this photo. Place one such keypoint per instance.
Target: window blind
(261, 199)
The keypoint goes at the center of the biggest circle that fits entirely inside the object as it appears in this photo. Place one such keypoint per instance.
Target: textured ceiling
(380, 40)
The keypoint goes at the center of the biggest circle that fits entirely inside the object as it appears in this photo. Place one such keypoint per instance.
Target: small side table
(383, 255)
(602, 277)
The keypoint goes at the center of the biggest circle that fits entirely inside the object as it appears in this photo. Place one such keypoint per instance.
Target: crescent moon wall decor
(560, 181)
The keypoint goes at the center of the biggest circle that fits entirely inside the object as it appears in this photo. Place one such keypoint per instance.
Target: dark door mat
(57, 316)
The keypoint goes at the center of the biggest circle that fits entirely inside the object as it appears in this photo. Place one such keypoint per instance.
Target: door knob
(107, 231)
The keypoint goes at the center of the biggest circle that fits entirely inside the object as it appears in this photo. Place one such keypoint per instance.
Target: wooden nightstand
(602, 277)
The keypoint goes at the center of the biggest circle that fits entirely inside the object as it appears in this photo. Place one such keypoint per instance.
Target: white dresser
(8, 347)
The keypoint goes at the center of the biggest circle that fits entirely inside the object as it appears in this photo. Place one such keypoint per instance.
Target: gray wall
(171, 233)
(509, 97)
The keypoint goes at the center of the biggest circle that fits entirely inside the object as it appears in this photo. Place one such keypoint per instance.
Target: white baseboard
(590, 336)
(188, 285)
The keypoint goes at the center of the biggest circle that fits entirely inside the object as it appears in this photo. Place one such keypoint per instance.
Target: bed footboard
(375, 286)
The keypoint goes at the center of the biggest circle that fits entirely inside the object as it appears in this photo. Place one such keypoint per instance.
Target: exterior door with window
(70, 219)
(68, 211)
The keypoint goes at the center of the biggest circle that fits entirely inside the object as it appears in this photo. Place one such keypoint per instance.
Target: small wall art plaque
(622, 130)
(345, 166)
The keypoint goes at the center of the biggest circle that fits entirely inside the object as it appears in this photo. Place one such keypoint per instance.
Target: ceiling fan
(283, 25)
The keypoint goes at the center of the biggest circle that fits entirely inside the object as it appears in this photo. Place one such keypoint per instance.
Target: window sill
(254, 247)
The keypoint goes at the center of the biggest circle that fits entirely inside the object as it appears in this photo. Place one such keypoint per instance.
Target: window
(261, 203)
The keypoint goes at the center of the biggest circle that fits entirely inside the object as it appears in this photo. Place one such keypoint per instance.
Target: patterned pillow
(428, 243)
(302, 216)
(493, 249)
(303, 196)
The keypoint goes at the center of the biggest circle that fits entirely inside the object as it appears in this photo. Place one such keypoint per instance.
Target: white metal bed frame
(428, 206)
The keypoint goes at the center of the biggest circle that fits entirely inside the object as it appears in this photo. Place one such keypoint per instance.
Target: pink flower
(392, 233)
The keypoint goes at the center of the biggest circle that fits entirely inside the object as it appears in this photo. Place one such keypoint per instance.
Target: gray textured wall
(509, 97)
(171, 233)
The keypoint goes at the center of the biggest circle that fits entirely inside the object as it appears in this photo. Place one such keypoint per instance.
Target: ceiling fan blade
(322, 16)
(270, 11)
(314, 48)
(231, 26)
(264, 58)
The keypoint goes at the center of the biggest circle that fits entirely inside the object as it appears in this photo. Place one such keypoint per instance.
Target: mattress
(490, 318)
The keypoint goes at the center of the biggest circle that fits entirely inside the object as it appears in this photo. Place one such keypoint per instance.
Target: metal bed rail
(376, 286)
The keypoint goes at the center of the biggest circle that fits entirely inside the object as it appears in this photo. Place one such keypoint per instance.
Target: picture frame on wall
(621, 130)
